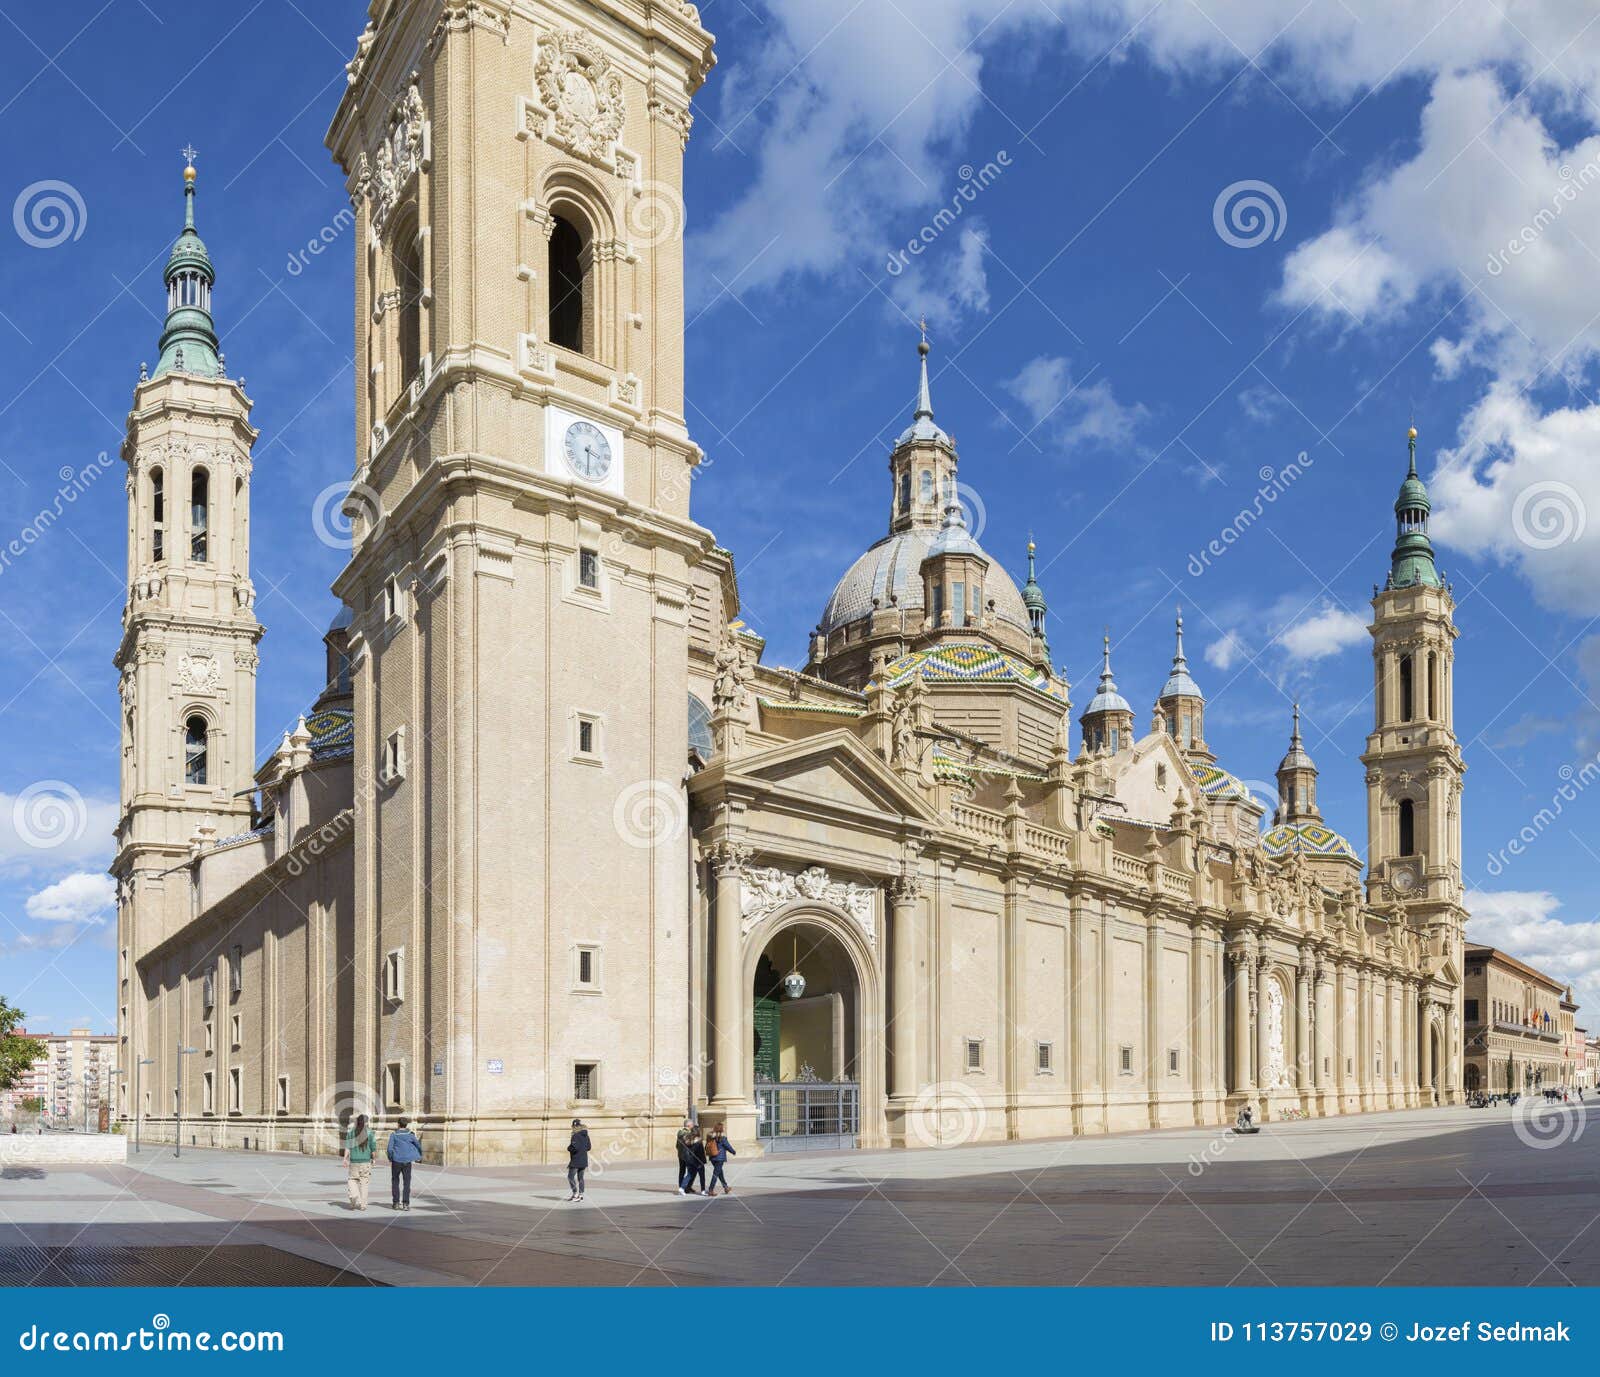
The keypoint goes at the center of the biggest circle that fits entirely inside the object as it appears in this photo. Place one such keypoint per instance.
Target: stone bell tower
(518, 585)
(187, 660)
(1415, 768)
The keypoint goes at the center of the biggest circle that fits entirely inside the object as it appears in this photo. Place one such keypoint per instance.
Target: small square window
(283, 1094)
(589, 569)
(1125, 1059)
(393, 1084)
(236, 971)
(585, 736)
(1327, 1065)
(1045, 1059)
(1349, 1066)
(394, 975)
(974, 1054)
(586, 1081)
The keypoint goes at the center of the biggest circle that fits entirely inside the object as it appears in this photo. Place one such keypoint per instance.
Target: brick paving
(1424, 1197)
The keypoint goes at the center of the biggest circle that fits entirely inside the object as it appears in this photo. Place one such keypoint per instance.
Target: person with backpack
(404, 1149)
(719, 1149)
(357, 1155)
(577, 1159)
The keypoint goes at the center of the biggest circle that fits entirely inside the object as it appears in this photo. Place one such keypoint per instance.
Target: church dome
(1306, 838)
(891, 572)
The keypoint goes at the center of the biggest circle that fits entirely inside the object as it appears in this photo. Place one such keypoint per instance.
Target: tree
(17, 1053)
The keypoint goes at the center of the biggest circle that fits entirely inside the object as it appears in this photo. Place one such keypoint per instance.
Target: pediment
(835, 771)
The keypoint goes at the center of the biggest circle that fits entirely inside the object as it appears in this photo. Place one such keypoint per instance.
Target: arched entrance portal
(1472, 1082)
(808, 1038)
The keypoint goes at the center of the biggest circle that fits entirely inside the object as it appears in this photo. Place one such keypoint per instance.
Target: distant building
(74, 1074)
(1519, 1025)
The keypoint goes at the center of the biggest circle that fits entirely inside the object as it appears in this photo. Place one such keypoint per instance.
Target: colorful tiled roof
(1309, 838)
(332, 733)
(1216, 782)
(968, 663)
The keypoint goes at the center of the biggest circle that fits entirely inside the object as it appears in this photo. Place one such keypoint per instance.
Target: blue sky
(1195, 242)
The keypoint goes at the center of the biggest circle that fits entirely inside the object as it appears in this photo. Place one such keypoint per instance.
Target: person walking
(577, 1159)
(683, 1152)
(404, 1149)
(357, 1155)
(720, 1149)
(694, 1167)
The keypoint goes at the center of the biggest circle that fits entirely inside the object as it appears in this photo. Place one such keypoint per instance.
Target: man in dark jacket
(404, 1149)
(683, 1151)
(577, 1159)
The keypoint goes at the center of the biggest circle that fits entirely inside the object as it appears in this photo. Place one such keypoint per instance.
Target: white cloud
(1345, 271)
(1523, 923)
(1226, 652)
(1524, 488)
(51, 824)
(83, 897)
(946, 285)
(1074, 412)
(852, 116)
(1325, 633)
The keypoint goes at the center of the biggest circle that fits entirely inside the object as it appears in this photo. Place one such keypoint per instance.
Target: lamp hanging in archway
(794, 984)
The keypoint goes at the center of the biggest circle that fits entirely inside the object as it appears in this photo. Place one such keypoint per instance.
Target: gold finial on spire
(922, 325)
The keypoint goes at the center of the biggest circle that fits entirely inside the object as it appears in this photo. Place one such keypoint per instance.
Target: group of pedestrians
(696, 1150)
(403, 1150)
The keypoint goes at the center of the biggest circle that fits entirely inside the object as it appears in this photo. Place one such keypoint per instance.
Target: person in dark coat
(577, 1159)
(683, 1151)
(694, 1167)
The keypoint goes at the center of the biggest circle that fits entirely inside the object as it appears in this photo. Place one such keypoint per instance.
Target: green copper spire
(1412, 562)
(189, 341)
(1033, 597)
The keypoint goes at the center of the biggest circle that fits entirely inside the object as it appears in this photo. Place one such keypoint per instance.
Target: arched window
(1405, 689)
(568, 283)
(199, 516)
(1116, 740)
(1408, 828)
(194, 750)
(408, 283)
(927, 485)
(1433, 683)
(158, 515)
(905, 493)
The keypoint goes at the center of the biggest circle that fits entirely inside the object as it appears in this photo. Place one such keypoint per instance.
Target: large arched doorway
(1473, 1083)
(811, 1051)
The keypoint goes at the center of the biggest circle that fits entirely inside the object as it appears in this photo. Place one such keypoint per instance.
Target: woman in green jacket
(358, 1145)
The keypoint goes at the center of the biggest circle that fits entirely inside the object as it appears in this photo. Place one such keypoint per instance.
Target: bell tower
(518, 586)
(1413, 759)
(187, 659)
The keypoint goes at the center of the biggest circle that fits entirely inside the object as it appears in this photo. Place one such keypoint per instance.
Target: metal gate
(808, 1116)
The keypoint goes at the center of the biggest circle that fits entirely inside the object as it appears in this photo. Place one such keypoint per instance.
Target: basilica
(555, 841)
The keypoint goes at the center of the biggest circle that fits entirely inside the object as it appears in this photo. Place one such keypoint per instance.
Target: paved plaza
(1422, 1197)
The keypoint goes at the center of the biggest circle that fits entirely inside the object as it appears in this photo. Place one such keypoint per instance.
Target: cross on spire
(190, 153)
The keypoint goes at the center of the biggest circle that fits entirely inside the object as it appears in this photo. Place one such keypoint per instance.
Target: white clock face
(588, 451)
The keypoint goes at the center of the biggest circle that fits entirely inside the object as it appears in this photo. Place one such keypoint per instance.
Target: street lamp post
(88, 1080)
(138, 1101)
(177, 1104)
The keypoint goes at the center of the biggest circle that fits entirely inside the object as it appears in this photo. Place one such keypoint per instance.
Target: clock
(588, 451)
(1404, 881)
